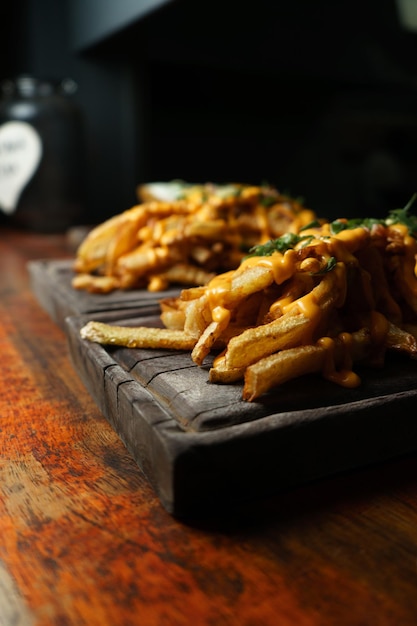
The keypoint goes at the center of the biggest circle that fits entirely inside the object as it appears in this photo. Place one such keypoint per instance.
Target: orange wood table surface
(85, 542)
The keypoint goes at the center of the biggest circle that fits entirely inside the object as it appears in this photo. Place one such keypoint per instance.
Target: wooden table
(84, 540)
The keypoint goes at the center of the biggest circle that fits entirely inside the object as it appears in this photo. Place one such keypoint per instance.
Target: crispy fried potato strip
(183, 234)
(140, 337)
(318, 302)
(328, 356)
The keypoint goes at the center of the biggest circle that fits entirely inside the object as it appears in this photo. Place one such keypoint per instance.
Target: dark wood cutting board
(203, 448)
(51, 283)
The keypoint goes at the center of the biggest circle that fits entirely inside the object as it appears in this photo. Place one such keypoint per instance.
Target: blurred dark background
(318, 98)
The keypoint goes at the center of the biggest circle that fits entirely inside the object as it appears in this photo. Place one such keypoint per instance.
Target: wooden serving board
(204, 448)
(51, 284)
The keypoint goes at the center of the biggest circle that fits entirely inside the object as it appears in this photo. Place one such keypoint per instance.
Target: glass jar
(41, 154)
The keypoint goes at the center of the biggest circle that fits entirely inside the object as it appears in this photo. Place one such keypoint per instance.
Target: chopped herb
(367, 222)
(313, 224)
(281, 244)
(358, 222)
(267, 200)
(337, 226)
(306, 240)
(402, 216)
(268, 196)
(330, 265)
(396, 216)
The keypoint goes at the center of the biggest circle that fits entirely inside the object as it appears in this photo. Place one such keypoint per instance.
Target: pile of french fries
(320, 301)
(183, 234)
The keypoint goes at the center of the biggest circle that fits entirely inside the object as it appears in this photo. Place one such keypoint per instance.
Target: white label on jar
(20, 153)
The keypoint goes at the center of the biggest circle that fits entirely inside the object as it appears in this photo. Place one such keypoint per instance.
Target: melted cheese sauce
(379, 327)
(338, 352)
(282, 265)
(344, 375)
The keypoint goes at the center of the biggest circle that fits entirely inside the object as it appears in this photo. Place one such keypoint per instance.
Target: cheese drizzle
(334, 245)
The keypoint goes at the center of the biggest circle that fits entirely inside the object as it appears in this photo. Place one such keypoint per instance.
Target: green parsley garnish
(396, 216)
(330, 265)
(402, 216)
(366, 222)
(281, 244)
(267, 200)
(313, 224)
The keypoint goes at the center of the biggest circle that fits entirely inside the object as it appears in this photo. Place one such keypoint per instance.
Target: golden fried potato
(184, 234)
(138, 337)
(316, 302)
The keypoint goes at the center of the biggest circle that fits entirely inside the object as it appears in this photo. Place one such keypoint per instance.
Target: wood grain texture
(51, 282)
(193, 439)
(85, 541)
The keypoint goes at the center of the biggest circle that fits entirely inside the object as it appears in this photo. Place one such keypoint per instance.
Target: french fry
(220, 373)
(138, 337)
(316, 302)
(252, 344)
(401, 340)
(144, 259)
(197, 316)
(202, 230)
(280, 367)
(207, 340)
(212, 230)
(174, 320)
(295, 327)
(247, 282)
(186, 274)
(95, 284)
(108, 240)
(125, 241)
(325, 356)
